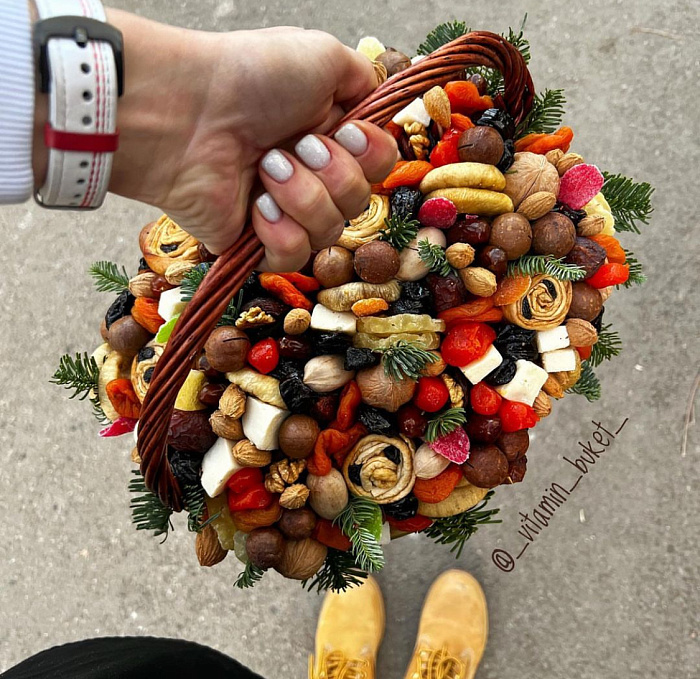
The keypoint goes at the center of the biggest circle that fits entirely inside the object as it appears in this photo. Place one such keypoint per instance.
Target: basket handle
(232, 268)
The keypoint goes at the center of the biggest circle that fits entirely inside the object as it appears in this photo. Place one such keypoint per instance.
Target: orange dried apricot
(511, 289)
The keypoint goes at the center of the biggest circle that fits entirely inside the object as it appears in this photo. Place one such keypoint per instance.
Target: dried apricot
(145, 313)
(369, 307)
(612, 247)
(439, 488)
(407, 173)
(511, 289)
(123, 397)
(544, 143)
(467, 312)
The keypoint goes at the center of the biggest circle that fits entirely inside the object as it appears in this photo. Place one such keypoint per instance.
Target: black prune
(120, 307)
(143, 266)
(296, 395)
(503, 374)
(252, 288)
(508, 157)
(146, 353)
(357, 359)
(512, 332)
(375, 420)
(574, 215)
(331, 342)
(415, 290)
(500, 120)
(185, 466)
(403, 509)
(354, 472)
(393, 454)
(516, 343)
(405, 202)
(407, 306)
(287, 368)
(597, 322)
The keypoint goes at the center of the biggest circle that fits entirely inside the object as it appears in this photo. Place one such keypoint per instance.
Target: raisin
(392, 453)
(500, 120)
(403, 509)
(527, 312)
(185, 467)
(405, 202)
(357, 359)
(331, 342)
(574, 215)
(375, 420)
(508, 157)
(148, 375)
(120, 307)
(167, 248)
(503, 374)
(597, 322)
(354, 472)
(146, 353)
(296, 395)
(550, 287)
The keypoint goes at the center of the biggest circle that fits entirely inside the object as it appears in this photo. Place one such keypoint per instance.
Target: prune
(446, 291)
(516, 470)
(597, 322)
(357, 359)
(508, 157)
(269, 305)
(407, 306)
(403, 509)
(472, 230)
(143, 266)
(392, 453)
(354, 472)
(287, 368)
(503, 374)
(516, 343)
(415, 290)
(252, 288)
(500, 120)
(185, 467)
(494, 259)
(375, 420)
(119, 308)
(487, 467)
(331, 342)
(146, 353)
(483, 428)
(299, 348)
(405, 202)
(514, 444)
(574, 215)
(190, 431)
(296, 395)
(587, 255)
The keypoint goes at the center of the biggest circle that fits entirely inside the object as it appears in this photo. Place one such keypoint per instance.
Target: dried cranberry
(472, 230)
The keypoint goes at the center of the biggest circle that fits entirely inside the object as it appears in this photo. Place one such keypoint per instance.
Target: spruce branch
(456, 530)
(445, 423)
(399, 231)
(192, 280)
(406, 360)
(108, 277)
(434, 257)
(546, 114)
(233, 310)
(361, 521)
(249, 577)
(79, 374)
(441, 35)
(607, 347)
(637, 275)
(193, 499)
(147, 511)
(338, 573)
(588, 384)
(630, 201)
(546, 264)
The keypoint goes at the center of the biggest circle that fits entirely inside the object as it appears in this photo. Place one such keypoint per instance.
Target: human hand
(208, 119)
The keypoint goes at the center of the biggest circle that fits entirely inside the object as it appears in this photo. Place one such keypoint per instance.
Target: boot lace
(438, 664)
(335, 665)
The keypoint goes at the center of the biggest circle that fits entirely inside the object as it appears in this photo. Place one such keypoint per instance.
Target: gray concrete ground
(610, 589)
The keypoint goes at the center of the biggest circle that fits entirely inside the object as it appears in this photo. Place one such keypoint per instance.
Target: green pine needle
(433, 256)
(338, 573)
(399, 232)
(546, 114)
(147, 511)
(588, 384)
(195, 504)
(192, 280)
(108, 277)
(79, 374)
(637, 275)
(546, 264)
(441, 35)
(630, 201)
(607, 347)
(233, 311)
(249, 577)
(406, 359)
(445, 423)
(356, 521)
(456, 530)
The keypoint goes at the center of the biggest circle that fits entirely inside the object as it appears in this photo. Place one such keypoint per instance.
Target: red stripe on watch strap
(75, 141)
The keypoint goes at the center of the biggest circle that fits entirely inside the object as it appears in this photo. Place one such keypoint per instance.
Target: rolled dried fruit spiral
(143, 366)
(543, 306)
(366, 227)
(164, 242)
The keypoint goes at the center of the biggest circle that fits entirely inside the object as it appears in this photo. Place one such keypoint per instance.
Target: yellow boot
(453, 629)
(350, 629)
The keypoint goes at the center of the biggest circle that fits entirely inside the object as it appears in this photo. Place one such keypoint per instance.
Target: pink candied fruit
(440, 213)
(453, 446)
(120, 426)
(580, 185)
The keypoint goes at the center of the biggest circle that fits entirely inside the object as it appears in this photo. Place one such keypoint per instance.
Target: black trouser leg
(130, 658)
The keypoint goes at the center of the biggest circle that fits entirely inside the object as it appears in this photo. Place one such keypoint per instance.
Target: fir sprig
(357, 522)
(637, 275)
(456, 530)
(630, 201)
(147, 511)
(434, 257)
(441, 35)
(195, 504)
(399, 231)
(249, 576)
(79, 374)
(233, 310)
(108, 277)
(588, 384)
(445, 423)
(546, 264)
(406, 359)
(338, 573)
(546, 114)
(192, 280)
(607, 347)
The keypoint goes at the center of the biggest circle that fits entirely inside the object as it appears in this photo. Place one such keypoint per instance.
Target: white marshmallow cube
(526, 384)
(261, 423)
(323, 318)
(415, 112)
(559, 361)
(554, 338)
(477, 370)
(171, 304)
(218, 466)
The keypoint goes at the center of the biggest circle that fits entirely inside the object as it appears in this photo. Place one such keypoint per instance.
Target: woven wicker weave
(231, 269)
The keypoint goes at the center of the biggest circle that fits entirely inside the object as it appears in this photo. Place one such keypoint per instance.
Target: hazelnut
(586, 254)
(227, 348)
(376, 262)
(487, 467)
(394, 61)
(126, 336)
(265, 547)
(554, 234)
(333, 266)
(481, 144)
(298, 435)
(514, 444)
(586, 302)
(297, 524)
(512, 233)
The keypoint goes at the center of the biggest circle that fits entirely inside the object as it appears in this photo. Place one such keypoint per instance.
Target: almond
(208, 548)
(479, 281)
(232, 402)
(537, 205)
(135, 457)
(567, 161)
(606, 292)
(142, 285)
(460, 255)
(581, 333)
(553, 388)
(542, 405)
(437, 104)
(247, 455)
(226, 427)
(591, 225)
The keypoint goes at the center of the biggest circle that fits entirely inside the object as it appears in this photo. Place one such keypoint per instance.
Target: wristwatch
(80, 65)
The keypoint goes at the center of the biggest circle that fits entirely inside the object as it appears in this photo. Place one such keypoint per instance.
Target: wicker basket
(232, 268)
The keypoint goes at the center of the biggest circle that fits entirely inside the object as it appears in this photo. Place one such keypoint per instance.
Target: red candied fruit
(440, 213)
(466, 342)
(516, 416)
(446, 151)
(264, 356)
(454, 446)
(411, 421)
(484, 399)
(245, 479)
(415, 524)
(431, 394)
(580, 184)
(609, 274)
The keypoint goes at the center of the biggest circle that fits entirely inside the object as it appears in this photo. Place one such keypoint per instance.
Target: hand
(209, 118)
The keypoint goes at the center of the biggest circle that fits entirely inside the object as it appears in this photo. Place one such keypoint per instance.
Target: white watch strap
(83, 100)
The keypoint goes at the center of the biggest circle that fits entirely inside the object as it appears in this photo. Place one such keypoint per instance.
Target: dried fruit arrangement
(391, 385)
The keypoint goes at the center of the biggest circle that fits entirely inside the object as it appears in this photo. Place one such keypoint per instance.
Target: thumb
(355, 77)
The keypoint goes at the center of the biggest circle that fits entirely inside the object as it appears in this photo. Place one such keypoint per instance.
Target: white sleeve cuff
(16, 102)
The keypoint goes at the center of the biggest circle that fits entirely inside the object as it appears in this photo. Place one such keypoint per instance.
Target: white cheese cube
(323, 318)
(477, 370)
(415, 112)
(555, 338)
(218, 466)
(170, 304)
(261, 423)
(559, 360)
(525, 386)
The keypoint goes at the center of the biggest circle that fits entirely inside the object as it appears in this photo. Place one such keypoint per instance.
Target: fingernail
(269, 208)
(313, 152)
(277, 166)
(352, 138)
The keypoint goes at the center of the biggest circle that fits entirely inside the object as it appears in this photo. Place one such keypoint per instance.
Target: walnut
(226, 426)
(232, 402)
(530, 173)
(418, 139)
(254, 317)
(283, 474)
(456, 391)
(295, 496)
(248, 455)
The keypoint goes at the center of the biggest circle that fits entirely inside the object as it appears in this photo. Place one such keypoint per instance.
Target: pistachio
(327, 373)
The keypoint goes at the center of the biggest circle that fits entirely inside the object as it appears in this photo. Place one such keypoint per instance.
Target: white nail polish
(352, 138)
(313, 152)
(277, 166)
(269, 208)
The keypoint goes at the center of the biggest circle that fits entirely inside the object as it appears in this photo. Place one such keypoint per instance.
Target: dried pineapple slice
(414, 323)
